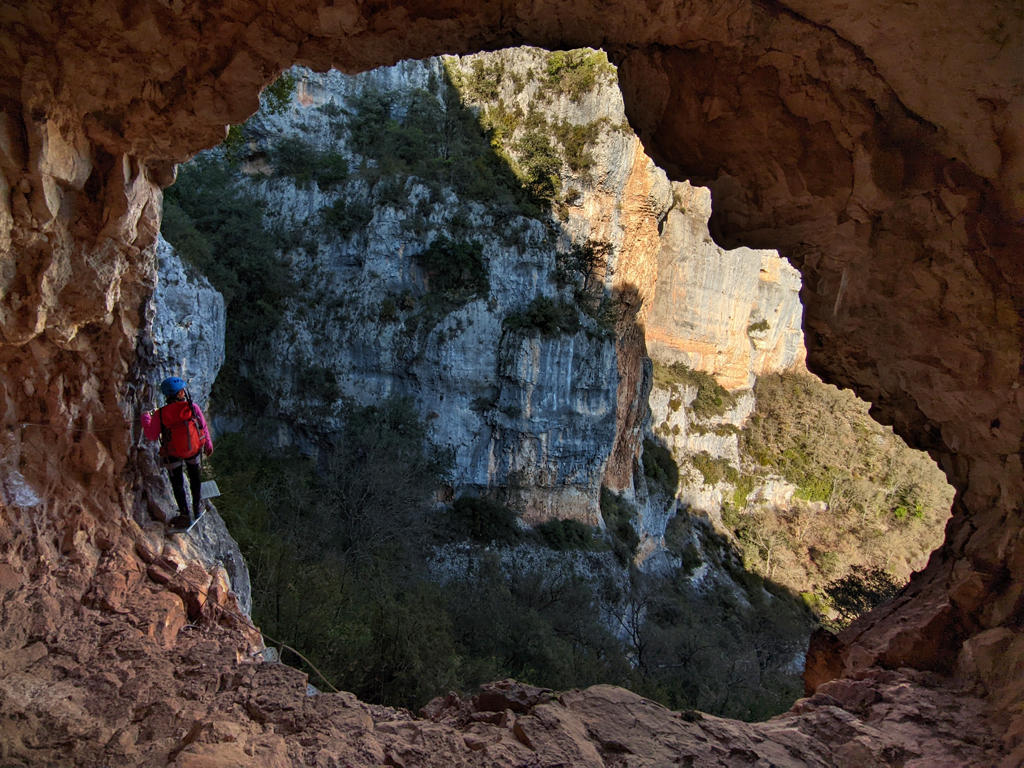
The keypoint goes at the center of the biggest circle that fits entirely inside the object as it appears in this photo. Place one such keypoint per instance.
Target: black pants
(176, 470)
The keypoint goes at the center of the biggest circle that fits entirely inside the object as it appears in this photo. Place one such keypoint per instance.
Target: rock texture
(188, 326)
(152, 665)
(535, 418)
(878, 145)
(185, 338)
(734, 314)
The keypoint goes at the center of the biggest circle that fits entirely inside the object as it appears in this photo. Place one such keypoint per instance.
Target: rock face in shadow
(886, 166)
(188, 326)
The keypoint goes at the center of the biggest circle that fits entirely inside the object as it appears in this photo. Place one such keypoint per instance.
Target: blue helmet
(172, 386)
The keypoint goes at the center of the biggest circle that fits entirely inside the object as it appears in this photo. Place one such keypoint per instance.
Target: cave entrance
(444, 275)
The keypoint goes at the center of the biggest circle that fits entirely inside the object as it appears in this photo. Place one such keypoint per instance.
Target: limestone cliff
(188, 327)
(186, 339)
(530, 414)
(733, 314)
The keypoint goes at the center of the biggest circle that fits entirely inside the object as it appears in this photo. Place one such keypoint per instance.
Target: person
(184, 437)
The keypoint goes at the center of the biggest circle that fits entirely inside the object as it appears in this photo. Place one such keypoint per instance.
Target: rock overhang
(889, 177)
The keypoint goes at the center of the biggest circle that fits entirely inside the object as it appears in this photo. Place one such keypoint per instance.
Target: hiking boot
(179, 523)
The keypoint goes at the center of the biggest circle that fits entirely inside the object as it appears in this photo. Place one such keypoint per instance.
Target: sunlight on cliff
(471, 257)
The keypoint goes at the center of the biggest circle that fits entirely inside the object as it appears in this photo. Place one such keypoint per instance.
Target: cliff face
(532, 412)
(860, 154)
(186, 338)
(734, 314)
(188, 327)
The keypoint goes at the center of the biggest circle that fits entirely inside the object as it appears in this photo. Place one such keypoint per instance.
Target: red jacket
(151, 427)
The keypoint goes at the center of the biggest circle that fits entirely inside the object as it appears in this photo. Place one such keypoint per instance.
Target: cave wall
(878, 145)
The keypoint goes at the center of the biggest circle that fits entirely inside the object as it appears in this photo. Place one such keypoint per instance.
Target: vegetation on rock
(338, 558)
(341, 550)
(456, 269)
(712, 399)
(434, 139)
(661, 468)
(576, 72)
(484, 520)
(562, 535)
(221, 229)
(619, 516)
(864, 504)
(547, 316)
(303, 163)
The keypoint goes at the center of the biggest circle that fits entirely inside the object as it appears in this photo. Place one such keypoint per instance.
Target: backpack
(179, 431)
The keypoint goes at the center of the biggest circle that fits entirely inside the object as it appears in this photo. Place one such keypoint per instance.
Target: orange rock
(877, 145)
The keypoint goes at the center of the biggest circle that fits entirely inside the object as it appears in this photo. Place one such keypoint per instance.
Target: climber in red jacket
(184, 436)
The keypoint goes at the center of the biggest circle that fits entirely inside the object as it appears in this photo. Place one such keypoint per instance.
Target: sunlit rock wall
(734, 314)
(532, 417)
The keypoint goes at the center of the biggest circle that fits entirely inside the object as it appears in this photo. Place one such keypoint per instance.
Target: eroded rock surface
(188, 327)
(153, 665)
(734, 314)
(889, 174)
(530, 414)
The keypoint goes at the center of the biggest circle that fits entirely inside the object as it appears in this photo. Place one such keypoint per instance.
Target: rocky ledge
(877, 145)
(140, 658)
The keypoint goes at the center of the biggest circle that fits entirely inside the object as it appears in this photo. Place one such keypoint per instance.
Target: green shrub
(484, 520)
(660, 468)
(501, 123)
(575, 72)
(331, 109)
(303, 163)
(710, 469)
(562, 535)
(483, 80)
(744, 484)
(619, 515)
(437, 140)
(716, 470)
(278, 95)
(549, 317)
(455, 268)
(823, 441)
(758, 326)
(343, 218)
(813, 488)
(330, 551)
(234, 144)
(332, 169)
(295, 158)
(712, 399)
(576, 140)
(539, 162)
